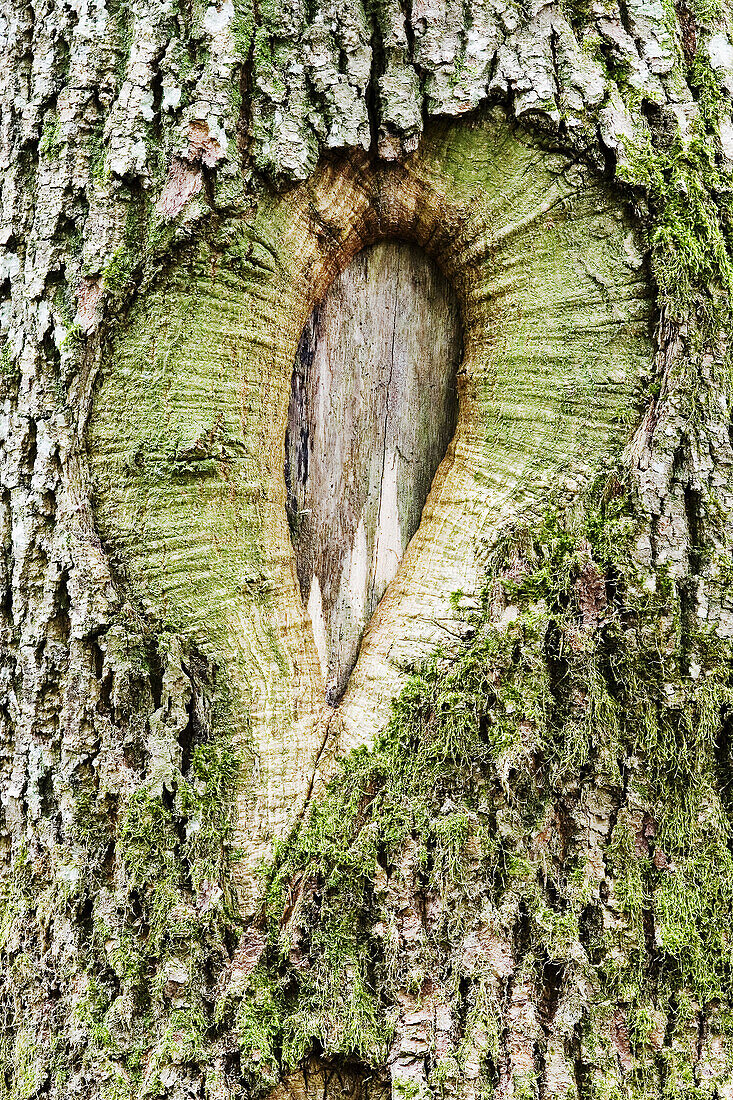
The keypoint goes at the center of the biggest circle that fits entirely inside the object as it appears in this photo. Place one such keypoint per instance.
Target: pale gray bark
(128, 132)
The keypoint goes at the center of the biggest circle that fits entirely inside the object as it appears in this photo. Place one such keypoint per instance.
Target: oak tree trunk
(366, 497)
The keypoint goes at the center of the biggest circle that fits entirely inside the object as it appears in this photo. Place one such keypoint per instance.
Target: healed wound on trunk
(187, 435)
(373, 407)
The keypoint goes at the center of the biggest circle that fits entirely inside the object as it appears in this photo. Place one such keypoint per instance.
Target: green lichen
(52, 141)
(524, 708)
(146, 238)
(9, 369)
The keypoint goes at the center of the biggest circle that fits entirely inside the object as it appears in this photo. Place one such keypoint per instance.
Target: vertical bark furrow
(595, 804)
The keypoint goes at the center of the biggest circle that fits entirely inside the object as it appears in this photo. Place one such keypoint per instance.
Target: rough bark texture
(519, 882)
(190, 489)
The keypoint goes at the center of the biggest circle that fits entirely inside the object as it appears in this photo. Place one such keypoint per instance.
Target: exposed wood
(179, 183)
(372, 409)
(188, 428)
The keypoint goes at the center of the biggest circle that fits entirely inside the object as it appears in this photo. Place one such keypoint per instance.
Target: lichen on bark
(187, 451)
(557, 924)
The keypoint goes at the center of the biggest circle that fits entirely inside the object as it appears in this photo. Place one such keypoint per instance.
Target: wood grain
(373, 407)
(187, 436)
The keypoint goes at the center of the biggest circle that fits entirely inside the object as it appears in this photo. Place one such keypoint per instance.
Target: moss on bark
(537, 851)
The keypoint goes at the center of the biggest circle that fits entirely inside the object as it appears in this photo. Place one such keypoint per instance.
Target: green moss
(119, 271)
(256, 1020)
(28, 1067)
(137, 992)
(691, 230)
(146, 237)
(405, 1088)
(708, 12)
(424, 788)
(9, 370)
(52, 141)
(243, 27)
(122, 22)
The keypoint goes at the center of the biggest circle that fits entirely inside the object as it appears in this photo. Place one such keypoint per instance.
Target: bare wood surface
(188, 429)
(372, 409)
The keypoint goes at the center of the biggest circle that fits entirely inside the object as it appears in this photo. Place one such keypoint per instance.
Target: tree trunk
(372, 411)
(367, 483)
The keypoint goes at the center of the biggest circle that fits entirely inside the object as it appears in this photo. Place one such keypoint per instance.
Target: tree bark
(484, 846)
